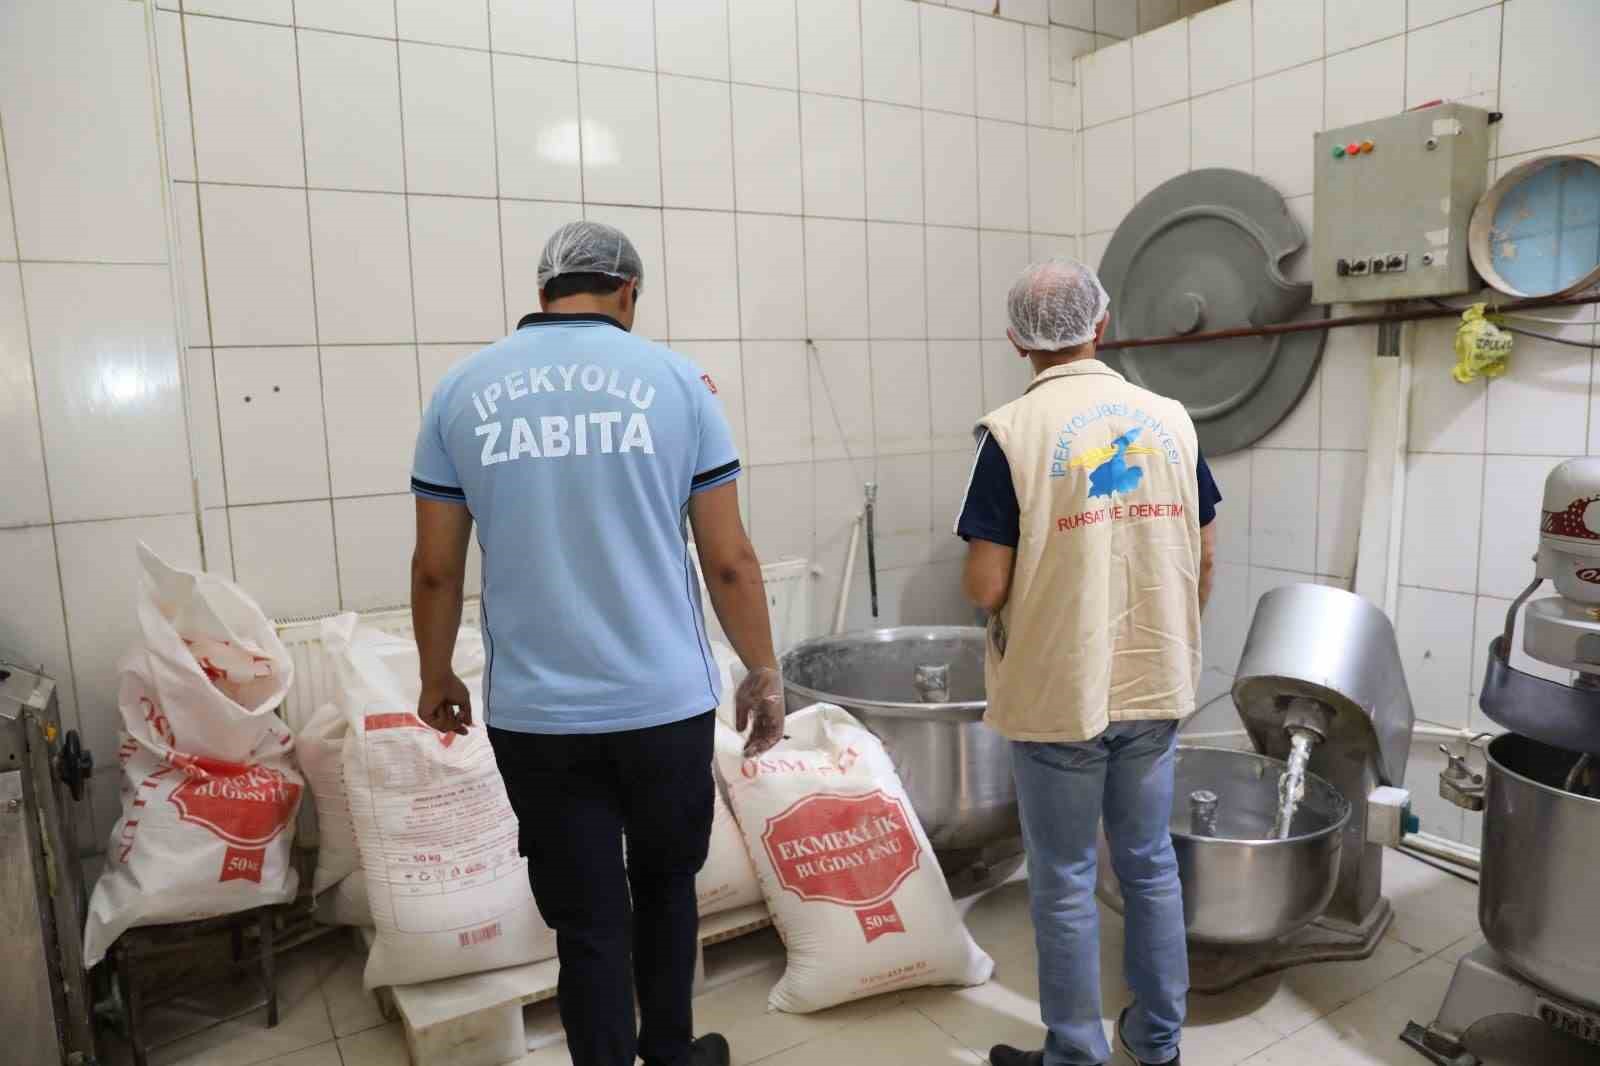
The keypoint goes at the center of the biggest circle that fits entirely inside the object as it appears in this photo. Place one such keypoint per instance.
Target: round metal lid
(1201, 252)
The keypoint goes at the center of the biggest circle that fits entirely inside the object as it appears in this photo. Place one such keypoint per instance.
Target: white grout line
(499, 215)
(405, 183)
(44, 455)
(661, 170)
(316, 317)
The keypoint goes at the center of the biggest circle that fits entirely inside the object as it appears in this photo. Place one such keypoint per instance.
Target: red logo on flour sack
(880, 920)
(405, 720)
(850, 850)
(243, 864)
(216, 657)
(1590, 574)
(244, 805)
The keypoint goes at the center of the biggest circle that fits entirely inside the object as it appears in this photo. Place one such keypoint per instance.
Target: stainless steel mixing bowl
(956, 770)
(1539, 891)
(1241, 886)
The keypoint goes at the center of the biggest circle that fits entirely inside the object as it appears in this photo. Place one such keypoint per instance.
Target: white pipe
(1442, 848)
(1405, 340)
(1420, 731)
(843, 606)
(1212, 738)
(1429, 731)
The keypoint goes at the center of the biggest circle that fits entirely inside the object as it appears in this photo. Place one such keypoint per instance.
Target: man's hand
(445, 705)
(760, 700)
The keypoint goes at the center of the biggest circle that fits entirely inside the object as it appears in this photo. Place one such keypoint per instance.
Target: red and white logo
(850, 850)
(244, 805)
(880, 920)
(243, 864)
(1579, 521)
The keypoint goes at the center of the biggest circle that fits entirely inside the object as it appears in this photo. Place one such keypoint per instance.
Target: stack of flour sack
(417, 839)
(416, 835)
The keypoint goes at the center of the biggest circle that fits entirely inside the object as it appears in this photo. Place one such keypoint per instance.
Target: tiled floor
(1342, 1014)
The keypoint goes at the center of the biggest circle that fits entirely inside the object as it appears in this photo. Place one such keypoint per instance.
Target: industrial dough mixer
(1320, 685)
(1535, 984)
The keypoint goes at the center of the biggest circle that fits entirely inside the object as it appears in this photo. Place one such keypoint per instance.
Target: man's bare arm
(1208, 561)
(733, 574)
(438, 579)
(733, 578)
(986, 578)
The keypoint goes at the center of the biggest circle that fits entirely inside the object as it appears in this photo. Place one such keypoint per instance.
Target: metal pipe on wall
(1377, 318)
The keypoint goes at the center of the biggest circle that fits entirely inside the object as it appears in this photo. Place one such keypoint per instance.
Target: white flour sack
(728, 879)
(438, 841)
(319, 749)
(209, 788)
(852, 883)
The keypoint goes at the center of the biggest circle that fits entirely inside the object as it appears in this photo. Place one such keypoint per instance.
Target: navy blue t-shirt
(991, 511)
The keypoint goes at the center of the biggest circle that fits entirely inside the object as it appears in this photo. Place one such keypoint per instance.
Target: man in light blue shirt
(580, 451)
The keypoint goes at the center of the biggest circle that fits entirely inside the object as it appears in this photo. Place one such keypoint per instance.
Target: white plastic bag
(732, 671)
(320, 751)
(438, 840)
(209, 789)
(213, 661)
(851, 881)
(728, 879)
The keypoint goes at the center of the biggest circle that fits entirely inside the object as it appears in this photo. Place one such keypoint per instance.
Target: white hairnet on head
(589, 248)
(1056, 304)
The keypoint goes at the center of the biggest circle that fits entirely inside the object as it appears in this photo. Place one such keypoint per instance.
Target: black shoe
(710, 1050)
(1176, 1060)
(1001, 1055)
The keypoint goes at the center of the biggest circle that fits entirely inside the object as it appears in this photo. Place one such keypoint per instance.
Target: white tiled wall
(1262, 77)
(92, 403)
(829, 196)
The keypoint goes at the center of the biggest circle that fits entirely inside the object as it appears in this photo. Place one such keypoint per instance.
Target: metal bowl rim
(974, 709)
(1336, 826)
(1521, 778)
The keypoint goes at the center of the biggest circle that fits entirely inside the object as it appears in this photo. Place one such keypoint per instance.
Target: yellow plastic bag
(1482, 347)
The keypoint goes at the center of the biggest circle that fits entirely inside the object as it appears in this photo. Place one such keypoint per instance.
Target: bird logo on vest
(1110, 471)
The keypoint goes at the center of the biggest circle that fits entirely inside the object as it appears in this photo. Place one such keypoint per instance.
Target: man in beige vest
(1088, 523)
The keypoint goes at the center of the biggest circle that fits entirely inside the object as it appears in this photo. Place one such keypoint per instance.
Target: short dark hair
(564, 285)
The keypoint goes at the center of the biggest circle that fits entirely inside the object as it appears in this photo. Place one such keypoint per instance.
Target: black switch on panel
(1342, 268)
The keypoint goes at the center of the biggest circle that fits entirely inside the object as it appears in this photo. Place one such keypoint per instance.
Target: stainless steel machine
(1535, 985)
(1319, 685)
(921, 690)
(45, 1017)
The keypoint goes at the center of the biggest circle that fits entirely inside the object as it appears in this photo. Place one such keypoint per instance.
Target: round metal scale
(1205, 252)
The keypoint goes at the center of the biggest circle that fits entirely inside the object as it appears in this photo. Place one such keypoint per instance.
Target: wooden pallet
(477, 1020)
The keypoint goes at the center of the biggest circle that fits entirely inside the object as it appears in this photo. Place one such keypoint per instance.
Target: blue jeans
(1123, 776)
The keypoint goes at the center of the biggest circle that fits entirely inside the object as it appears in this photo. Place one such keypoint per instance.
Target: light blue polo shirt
(576, 446)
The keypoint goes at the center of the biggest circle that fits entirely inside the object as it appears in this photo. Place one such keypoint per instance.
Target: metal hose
(872, 545)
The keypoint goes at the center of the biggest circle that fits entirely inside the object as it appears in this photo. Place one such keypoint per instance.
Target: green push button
(1338, 151)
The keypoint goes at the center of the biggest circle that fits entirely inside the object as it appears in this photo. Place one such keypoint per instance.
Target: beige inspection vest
(1103, 619)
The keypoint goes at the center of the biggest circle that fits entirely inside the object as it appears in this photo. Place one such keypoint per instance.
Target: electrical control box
(1393, 199)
